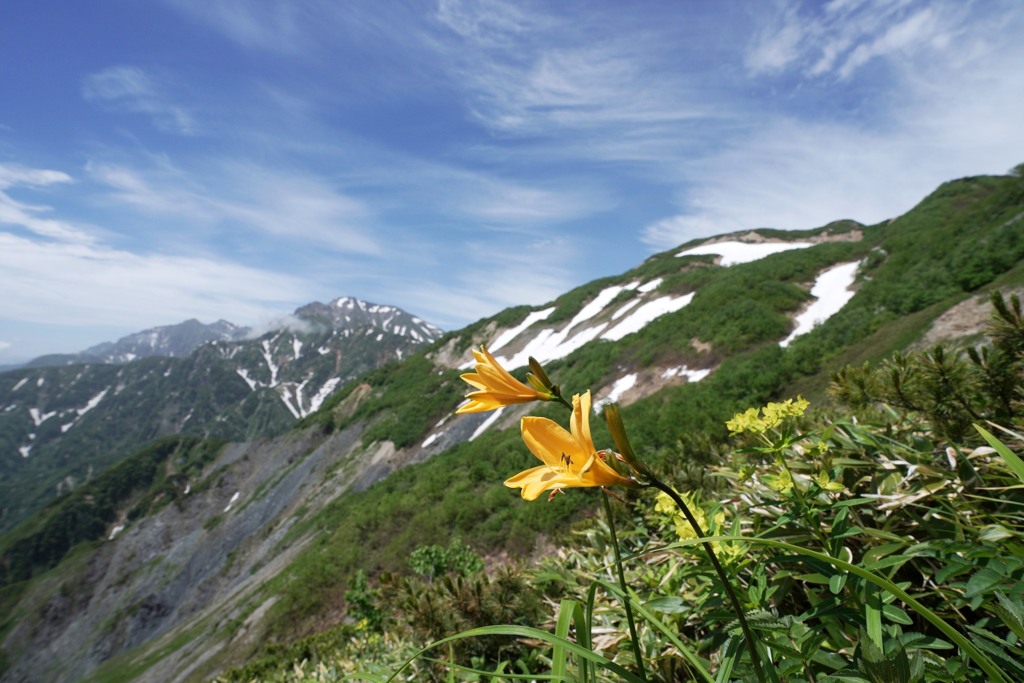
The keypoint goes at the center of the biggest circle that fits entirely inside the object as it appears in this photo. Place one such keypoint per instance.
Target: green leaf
(666, 631)
(529, 632)
(567, 611)
(896, 614)
(882, 668)
(1012, 614)
(995, 673)
(844, 677)
(982, 581)
(894, 561)
(667, 605)
(919, 641)
(994, 532)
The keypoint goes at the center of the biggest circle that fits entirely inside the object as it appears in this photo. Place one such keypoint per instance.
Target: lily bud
(538, 379)
(618, 430)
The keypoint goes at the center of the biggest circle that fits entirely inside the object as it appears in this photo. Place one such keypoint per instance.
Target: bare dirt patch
(966, 320)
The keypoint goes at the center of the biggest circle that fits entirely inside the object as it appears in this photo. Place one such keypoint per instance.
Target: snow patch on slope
(551, 344)
(508, 335)
(639, 318)
(684, 371)
(733, 252)
(832, 291)
(487, 423)
(326, 390)
(621, 386)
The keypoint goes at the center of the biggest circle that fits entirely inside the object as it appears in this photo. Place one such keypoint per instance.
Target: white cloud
(577, 84)
(843, 37)
(945, 111)
(13, 174)
(779, 43)
(496, 201)
(293, 204)
(780, 178)
(28, 216)
(138, 91)
(919, 30)
(311, 28)
(487, 277)
(490, 22)
(59, 272)
(81, 284)
(276, 25)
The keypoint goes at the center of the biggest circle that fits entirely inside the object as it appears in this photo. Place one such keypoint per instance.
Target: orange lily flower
(570, 459)
(496, 387)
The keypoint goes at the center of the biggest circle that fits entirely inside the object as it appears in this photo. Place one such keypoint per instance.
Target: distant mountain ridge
(181, 339)
(65, 421)
(172, 341)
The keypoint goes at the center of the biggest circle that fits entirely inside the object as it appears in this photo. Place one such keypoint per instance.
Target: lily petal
(551, 443)
(495, 386)
(569, 458)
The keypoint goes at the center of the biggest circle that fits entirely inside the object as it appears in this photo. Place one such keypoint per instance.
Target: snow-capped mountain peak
(348, 313)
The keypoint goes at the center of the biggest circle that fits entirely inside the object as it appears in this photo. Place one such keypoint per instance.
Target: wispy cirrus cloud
(32, 217)
(492, 274)
(243, 196)
(274, 25)
(492, 200)
(81, 284)
(779, 178)
(136, 90)
(943, 109)
(300, 29)
(579, 86)
(56, 271)
(844, 36)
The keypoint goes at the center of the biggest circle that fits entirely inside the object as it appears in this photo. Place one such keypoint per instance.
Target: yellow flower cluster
(714, 527)
(761, 420)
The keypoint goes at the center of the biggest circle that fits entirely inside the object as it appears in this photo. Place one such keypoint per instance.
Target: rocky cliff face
(184, 572)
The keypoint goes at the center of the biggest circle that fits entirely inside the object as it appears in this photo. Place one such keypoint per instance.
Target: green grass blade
(733, 649)
(687, 653)
(528, 632)
(566, 612)
(873, 613)
(589, 616)
(492, 674)
(1011, 458)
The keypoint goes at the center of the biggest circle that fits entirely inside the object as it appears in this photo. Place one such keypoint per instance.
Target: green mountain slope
(189, 587)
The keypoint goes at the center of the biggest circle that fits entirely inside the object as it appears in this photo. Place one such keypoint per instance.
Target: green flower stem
(557, 396)
(637, 654)
(748, 636)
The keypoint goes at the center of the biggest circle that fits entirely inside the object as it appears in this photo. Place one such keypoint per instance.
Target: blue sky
(235, 159)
